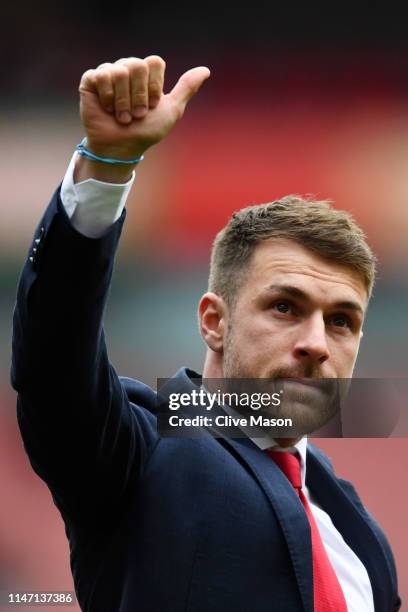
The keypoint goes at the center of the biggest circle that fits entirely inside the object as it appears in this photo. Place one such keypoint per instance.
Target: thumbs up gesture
(123, 108)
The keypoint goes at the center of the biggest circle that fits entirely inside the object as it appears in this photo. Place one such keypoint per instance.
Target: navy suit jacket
(157, 523)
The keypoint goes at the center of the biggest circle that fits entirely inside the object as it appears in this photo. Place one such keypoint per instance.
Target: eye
(340, 320)
(282, 307)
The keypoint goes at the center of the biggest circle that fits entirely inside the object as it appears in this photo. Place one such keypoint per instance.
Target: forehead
(286, 261)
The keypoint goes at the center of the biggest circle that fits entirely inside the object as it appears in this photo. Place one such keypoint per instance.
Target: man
(209, 524)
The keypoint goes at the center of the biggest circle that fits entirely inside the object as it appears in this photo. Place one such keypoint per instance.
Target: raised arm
(82, 435)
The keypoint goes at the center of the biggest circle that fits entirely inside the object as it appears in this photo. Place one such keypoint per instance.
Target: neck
(286, 442)
(213, 367)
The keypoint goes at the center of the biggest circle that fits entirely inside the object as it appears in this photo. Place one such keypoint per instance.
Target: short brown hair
(329, 232)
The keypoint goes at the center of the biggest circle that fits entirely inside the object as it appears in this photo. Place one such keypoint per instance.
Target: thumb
(188, 84)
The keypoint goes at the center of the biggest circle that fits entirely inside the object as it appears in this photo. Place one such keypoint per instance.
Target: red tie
(328, 594)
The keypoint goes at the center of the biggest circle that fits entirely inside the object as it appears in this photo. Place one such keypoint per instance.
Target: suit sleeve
(81, 433)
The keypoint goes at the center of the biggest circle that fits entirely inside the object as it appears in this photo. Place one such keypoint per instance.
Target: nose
(311, 345)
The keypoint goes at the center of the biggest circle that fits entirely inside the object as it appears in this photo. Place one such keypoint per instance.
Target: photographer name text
(229, 421)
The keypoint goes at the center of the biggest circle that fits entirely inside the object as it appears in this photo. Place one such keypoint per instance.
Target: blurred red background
(298, 102)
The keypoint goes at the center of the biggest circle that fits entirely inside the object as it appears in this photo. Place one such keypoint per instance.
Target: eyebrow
(295, 292)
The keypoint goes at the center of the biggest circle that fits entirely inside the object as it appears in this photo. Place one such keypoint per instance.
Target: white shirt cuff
(93, 206)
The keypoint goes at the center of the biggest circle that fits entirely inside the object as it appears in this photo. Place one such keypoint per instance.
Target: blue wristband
(82, 150)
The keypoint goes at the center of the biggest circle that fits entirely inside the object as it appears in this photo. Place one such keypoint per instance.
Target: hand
(123, 108)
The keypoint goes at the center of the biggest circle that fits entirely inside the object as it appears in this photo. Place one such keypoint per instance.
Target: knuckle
(138, 68)
(102, 75)
(154, 88)
(88, 74)
(86, 78)
(132, 62)
(139, 98)
(155, 61)
(120, 72)
(122, 103)
(107, 95)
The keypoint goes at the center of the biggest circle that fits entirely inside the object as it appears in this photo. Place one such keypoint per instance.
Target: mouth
(310, 382)
(324, 385)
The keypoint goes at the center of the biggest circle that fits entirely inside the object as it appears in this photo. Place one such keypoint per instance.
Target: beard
(307, 397)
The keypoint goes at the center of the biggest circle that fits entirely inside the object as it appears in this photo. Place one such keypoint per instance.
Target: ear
(212, 320)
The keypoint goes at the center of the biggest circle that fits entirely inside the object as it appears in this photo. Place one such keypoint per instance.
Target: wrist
(89, 169)
(119, 151)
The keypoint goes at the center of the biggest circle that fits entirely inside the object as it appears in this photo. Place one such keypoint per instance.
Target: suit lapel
(355, 525)
(288, 509)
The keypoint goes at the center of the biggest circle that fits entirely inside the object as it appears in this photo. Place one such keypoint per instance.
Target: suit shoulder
(325, 459)
(140, 394)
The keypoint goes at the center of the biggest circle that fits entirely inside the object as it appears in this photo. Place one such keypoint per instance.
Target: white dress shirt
(93, 206)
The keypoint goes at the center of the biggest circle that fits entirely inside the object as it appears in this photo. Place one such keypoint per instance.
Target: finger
(138, 71)
(87, 82)
(157, 67)
(187, 85)
(105, 65)
(104, 87)
(121, 86)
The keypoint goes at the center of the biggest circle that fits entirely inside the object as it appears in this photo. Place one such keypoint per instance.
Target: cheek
(343, 357)
(354, 354)
(260, 337)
